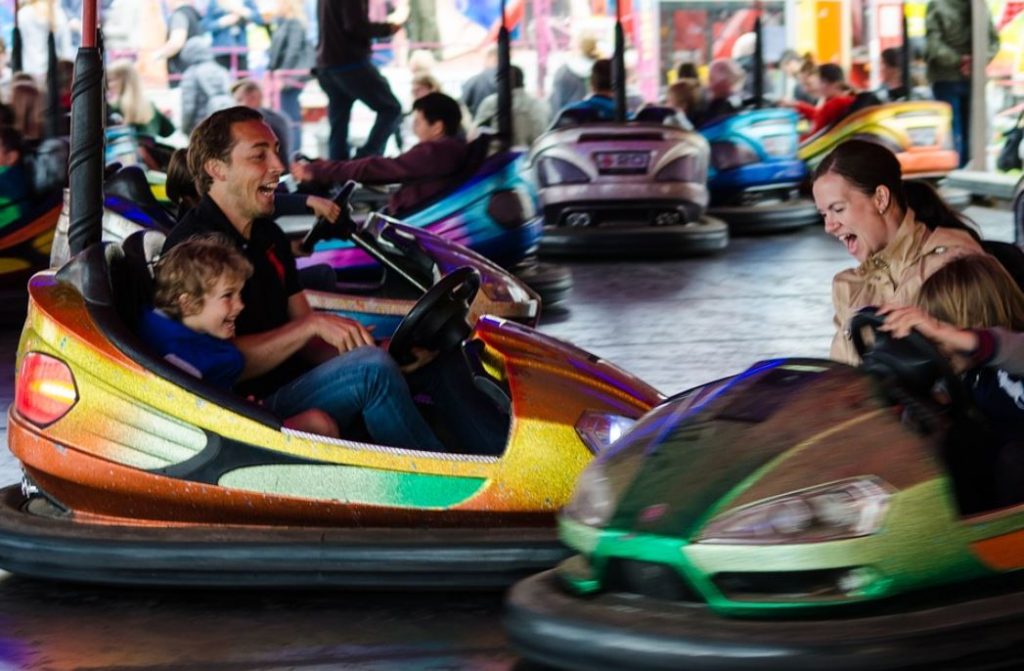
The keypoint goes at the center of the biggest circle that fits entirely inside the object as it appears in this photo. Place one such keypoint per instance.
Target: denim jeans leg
(339, 112)
(475, 422)
(292, 109)
(363, 381)
(375, 92)
(948, 92)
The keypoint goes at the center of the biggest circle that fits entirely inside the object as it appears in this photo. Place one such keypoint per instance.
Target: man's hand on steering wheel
(342, 333)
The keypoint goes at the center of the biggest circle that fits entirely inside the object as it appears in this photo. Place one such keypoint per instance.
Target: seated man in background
(890, 68)
(431, 167)
(722, 100)
(602, 94)
(14, 185)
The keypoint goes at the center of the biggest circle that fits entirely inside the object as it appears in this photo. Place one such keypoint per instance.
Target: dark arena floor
(673, 323)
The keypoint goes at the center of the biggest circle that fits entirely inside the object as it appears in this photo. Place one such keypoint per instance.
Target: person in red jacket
(836, 98)
(429, 168)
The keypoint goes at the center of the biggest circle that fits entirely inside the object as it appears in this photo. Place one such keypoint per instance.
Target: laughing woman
(900, 232)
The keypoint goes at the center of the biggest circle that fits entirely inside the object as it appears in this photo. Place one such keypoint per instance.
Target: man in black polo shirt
(232, 153)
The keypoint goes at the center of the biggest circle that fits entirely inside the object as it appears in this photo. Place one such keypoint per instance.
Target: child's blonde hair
(192, 269)
(974, 292)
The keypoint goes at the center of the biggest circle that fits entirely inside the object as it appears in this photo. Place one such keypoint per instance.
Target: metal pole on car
(504, 77)
(16, 62)
(758, 61)
(53, 112)
(906, 55)
(619, 66)
(86, 161)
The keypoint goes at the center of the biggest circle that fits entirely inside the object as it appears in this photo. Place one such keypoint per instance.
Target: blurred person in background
(183, 23)
(36, 18)
(346, 74)
(248, 93)
(602, 97)
(14, 185)
(483, 83)
(836, 99)
(683, 96)
(227, 22)
(126, 96)
(27, 108)
(291, 52)
(722, 99)
(5, 72)
(572, 79)
(529, 114)
(205, 85)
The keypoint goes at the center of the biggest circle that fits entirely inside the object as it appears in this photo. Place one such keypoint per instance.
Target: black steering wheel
(324, 229)
(914, 361)
(438, 320)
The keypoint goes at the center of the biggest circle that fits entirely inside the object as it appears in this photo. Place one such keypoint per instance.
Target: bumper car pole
(16, 62)
(85, 173)
(504, 77)
(619, 66)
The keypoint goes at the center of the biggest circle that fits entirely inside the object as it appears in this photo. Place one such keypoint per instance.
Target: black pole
(905, 64)
(16, 62)
(619, 66)
(504, 81)
(758, 63)
(86, 162)
(53, 110)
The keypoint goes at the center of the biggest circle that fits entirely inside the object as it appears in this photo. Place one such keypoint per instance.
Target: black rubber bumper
(60, 548)
(547, 625)
(552, 282)
(770, 217)
(706, 236)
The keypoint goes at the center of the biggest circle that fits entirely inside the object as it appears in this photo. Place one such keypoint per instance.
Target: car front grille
(649, 579)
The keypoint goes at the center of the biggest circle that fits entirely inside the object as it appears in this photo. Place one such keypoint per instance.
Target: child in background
(196, 301)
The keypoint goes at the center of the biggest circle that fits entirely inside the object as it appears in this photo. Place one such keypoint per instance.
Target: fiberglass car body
(802, 515)
(918, 132)
(631, 188)
(138, 472)
(755, 174)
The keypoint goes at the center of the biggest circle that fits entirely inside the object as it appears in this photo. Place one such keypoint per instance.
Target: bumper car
(27, 225)
(755, 175)
(633, 188)
(136, 472)
(802, 515)
(398, 262)
(996, 183)
(918, 132)
(492, 212)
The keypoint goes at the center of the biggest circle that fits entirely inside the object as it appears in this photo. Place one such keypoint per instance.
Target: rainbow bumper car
(136, 472)
(918, 132)
(802, 515)
(755, 174)
(636, 188)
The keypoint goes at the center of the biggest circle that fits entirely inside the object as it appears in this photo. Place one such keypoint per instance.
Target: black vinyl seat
(130, 188)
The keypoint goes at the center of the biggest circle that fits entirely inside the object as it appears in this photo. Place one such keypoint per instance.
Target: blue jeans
(344, 85)
(291, 108)
(958, 95)
(365, 381)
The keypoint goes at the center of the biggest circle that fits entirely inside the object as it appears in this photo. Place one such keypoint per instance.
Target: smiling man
(295, 359)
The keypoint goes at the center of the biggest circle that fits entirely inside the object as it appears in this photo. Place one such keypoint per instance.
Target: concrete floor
(673, 323)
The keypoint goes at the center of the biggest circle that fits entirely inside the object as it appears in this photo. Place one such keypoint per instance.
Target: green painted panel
(354, 484)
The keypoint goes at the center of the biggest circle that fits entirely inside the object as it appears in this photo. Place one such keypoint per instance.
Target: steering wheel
(323, 229)
(914, 361)
(438, 320)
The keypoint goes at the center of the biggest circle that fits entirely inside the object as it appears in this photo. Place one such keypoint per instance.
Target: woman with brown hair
(127, 98)
(859, 190)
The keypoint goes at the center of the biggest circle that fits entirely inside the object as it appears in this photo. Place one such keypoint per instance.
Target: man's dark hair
(687, 70)
(12, 139)
(517, 77)
(440, 107)
(831, 73)
(213, 138)
(892, 57)
(601, 75)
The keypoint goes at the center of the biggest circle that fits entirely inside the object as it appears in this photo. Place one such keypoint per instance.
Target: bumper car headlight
(500, 291)
(727, 155)
(555, 171)
(593, 500)
(598, 430)
(683, 169)
(843, 509)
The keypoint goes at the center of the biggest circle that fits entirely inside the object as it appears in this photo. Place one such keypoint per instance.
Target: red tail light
(45, 389)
